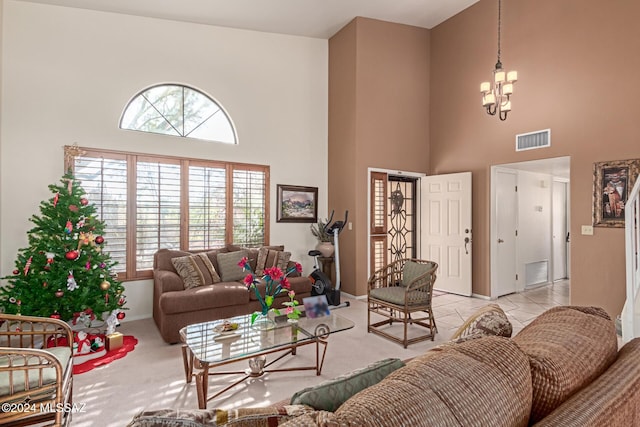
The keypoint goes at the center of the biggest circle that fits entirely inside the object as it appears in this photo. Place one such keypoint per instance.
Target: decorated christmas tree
(65, 272)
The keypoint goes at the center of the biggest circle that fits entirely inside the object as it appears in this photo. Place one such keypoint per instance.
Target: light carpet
(152, 376)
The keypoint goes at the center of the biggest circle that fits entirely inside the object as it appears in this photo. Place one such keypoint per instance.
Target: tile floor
(451, 310)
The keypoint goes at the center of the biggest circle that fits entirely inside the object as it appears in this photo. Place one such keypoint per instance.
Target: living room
(321, 111)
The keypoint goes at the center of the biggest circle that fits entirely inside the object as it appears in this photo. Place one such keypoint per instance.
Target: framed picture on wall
(297, 203)
(612, 182)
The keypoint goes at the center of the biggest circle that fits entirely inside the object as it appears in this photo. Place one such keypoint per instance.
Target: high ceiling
(311, 18)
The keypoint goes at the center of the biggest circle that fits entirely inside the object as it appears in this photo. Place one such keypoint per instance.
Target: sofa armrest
(167, 281)
(611, 399)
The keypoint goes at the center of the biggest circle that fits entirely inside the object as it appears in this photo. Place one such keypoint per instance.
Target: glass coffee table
(205, 347)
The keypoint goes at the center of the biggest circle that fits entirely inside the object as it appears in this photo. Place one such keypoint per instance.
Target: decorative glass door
(393, 219)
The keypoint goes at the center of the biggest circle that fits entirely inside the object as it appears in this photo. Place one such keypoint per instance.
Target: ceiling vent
(532, 140)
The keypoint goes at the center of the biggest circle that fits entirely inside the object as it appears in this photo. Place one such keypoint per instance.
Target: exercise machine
(321, 283)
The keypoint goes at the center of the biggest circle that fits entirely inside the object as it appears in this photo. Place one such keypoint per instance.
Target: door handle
(500, 241)
(568, 237)
(466, 242)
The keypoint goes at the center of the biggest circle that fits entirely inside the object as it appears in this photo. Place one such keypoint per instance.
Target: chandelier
(496, 99)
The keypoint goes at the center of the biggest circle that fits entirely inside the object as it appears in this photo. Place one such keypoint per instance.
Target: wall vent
(536, 273)
(532, 140)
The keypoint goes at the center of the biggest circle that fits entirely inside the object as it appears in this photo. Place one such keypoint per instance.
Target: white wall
(68, 73)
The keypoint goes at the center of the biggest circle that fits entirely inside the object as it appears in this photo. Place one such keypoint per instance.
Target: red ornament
(84, 201)
(55, 315)
(59, 293)
(73, 208)
(55, 199)
(71, 255)
(45, 284)
(99, 240)
(16, 272)
(120, 315)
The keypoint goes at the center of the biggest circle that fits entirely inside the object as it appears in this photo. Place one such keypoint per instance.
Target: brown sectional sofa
(176, 306)
(563, 369)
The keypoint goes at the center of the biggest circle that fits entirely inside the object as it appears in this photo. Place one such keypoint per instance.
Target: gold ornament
(105, 285)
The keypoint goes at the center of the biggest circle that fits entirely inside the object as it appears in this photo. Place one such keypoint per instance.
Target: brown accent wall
(378, 117)
(577, 63)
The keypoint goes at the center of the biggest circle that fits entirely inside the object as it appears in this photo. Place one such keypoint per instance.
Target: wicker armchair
(35, 381)
(398, 292)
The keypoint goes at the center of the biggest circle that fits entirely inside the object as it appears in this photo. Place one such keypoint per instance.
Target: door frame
(567, 183)
(493, 232)
(388, 172)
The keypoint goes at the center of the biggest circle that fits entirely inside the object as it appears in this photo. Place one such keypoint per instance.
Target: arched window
(178, 110)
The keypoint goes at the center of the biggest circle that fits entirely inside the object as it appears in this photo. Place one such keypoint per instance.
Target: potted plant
(325, 240)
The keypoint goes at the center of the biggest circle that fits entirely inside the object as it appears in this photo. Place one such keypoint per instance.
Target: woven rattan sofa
(177, 304)
(563, 369)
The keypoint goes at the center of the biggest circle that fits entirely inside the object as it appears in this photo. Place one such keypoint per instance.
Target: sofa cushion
(329, 395)
(230, 271)
(568, 347)
(484, 382)
(268, 258)
(412, 270)
(221, 294)
(253, 417)
(213, 257)
(195, 270)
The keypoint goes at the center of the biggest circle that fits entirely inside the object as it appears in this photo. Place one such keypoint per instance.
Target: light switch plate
(587, 230)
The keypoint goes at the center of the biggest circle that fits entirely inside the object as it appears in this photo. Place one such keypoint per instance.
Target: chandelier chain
(499, 25)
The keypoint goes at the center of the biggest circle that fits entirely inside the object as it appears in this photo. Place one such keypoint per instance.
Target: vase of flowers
(275, 282)
(293, 314)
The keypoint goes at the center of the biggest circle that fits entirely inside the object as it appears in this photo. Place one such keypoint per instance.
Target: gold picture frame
(297, 204)
(612, 182)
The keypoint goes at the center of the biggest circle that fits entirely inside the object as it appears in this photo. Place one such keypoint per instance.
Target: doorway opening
(393, 218)
(530, 213)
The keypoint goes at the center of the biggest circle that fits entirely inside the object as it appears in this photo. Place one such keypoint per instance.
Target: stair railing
(631, 311)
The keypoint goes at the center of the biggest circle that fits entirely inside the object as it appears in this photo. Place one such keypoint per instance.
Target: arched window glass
(178, 110)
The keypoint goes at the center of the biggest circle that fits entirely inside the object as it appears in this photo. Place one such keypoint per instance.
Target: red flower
(243, 263)
(274, 273)
(285, 283)
(298, 267)
(248, 280)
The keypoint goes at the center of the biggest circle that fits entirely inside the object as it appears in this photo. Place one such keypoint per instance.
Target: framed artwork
(297, 204)
(612, 182)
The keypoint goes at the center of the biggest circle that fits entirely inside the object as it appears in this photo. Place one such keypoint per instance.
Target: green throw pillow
(412, 270)
(228, 263)
(329, 395)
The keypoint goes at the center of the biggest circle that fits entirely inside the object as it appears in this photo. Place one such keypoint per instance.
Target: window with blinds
(249, 200)
(157, 210)
(151, 202)
(207, 206)
(104, 181)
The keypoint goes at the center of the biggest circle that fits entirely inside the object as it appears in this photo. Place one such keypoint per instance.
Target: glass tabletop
(208, 344)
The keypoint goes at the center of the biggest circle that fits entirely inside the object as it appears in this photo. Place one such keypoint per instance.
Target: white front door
(445, 229)
(506, 208)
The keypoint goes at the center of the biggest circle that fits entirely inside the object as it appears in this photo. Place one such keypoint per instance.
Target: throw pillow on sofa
(488, 320)
(329, 395)
(230, 271)
(268, 258)
(195, 270)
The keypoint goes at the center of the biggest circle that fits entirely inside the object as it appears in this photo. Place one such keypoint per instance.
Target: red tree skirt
(128, 344)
